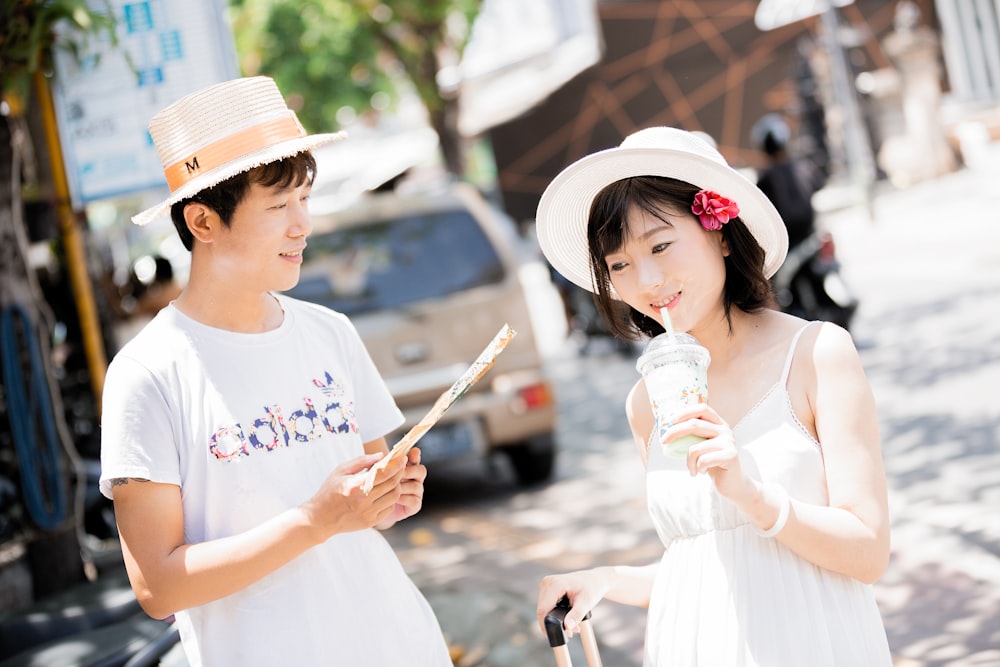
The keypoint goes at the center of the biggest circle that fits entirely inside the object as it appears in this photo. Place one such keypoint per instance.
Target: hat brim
(247, 162)
(564, 208)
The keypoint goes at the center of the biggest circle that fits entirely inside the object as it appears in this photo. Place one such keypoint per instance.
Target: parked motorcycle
(809, 283)
(587, 322)
(93, 624)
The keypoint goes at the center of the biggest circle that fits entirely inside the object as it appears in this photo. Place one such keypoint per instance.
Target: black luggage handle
(554, 622)
(557, 636)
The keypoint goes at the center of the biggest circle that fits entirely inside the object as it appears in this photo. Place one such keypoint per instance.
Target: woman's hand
(584, 588)
(717, 455)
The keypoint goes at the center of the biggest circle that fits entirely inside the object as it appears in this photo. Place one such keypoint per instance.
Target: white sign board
(773, 14)
(104, 100)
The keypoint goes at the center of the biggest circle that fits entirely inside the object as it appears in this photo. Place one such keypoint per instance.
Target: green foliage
(28, 36)
(334, 53)
(419, 34)
(310, 48)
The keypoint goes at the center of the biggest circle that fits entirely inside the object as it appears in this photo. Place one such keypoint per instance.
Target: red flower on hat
(713, 210)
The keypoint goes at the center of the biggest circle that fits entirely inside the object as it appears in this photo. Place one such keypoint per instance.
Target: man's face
(261, 249)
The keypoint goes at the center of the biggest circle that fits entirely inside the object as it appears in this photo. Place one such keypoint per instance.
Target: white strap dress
(726, 597)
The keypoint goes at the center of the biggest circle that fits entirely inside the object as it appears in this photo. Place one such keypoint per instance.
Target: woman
(776, 524)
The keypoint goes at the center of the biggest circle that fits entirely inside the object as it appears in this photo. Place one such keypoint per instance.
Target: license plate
(445, 441)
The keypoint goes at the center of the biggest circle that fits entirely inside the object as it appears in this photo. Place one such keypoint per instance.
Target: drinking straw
(665, 316)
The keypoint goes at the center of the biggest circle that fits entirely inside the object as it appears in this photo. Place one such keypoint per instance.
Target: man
(238, 425)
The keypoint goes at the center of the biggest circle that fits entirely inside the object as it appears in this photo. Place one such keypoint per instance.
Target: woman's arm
(168, 575)
(585, 588)
(640, 419)
(850, 536)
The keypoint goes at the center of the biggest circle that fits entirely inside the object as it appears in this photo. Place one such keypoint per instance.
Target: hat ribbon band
(232, 147)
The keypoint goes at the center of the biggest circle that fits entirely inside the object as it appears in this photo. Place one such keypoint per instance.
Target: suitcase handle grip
(554, 622)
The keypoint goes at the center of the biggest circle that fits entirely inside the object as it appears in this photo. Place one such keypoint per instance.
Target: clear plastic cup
(675, 369)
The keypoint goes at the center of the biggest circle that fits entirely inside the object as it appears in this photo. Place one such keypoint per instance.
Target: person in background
(239, 424)
(775, 524)
(786, 182)
(161, 290)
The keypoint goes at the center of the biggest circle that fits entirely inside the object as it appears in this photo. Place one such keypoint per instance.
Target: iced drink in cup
(675, 369)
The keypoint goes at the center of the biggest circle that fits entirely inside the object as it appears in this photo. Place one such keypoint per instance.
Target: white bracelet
(786, 506)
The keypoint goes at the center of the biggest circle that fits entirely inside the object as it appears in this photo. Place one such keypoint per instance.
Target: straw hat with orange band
(215, 133)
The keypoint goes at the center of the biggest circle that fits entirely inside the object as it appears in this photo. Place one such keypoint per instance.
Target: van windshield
(397, 262)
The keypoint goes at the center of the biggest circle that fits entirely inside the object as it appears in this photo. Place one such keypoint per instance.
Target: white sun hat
(564, 209)
(215, 133)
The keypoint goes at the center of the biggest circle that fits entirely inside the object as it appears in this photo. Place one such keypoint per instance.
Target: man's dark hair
(746, 287)
(772, 144)
(224, 197)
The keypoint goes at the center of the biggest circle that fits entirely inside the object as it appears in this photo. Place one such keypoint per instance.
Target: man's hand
(411, 497)
(341, 506)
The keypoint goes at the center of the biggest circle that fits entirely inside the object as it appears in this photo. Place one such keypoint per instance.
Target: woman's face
(670, 261)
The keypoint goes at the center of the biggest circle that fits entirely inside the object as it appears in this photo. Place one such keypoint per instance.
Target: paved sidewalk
(498, 629)
(927, 265)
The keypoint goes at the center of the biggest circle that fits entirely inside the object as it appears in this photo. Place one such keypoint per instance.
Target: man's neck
(229, 308)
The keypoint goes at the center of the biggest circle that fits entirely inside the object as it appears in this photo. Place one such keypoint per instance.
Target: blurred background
(459, 113)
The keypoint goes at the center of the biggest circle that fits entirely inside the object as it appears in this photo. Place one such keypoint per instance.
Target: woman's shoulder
(818, 350)
(810, 347)
(820, 336)
(821, 360)
(828, 342)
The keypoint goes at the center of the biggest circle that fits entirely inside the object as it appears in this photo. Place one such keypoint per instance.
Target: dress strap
(791, 354)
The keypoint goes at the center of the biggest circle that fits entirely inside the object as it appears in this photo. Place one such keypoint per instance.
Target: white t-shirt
(249, 425)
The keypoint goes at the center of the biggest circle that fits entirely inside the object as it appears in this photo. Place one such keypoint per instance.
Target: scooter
(809, 283)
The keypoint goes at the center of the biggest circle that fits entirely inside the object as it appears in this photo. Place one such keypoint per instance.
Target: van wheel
(533, 460)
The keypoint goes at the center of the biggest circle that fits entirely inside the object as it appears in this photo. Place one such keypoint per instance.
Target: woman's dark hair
(224, 197)
(746, 287)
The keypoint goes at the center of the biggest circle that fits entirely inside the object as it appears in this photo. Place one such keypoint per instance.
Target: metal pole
(76, 260)
(860, 163)
(590, 644)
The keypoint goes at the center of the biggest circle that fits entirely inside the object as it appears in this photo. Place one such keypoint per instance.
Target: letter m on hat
(192, 166)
